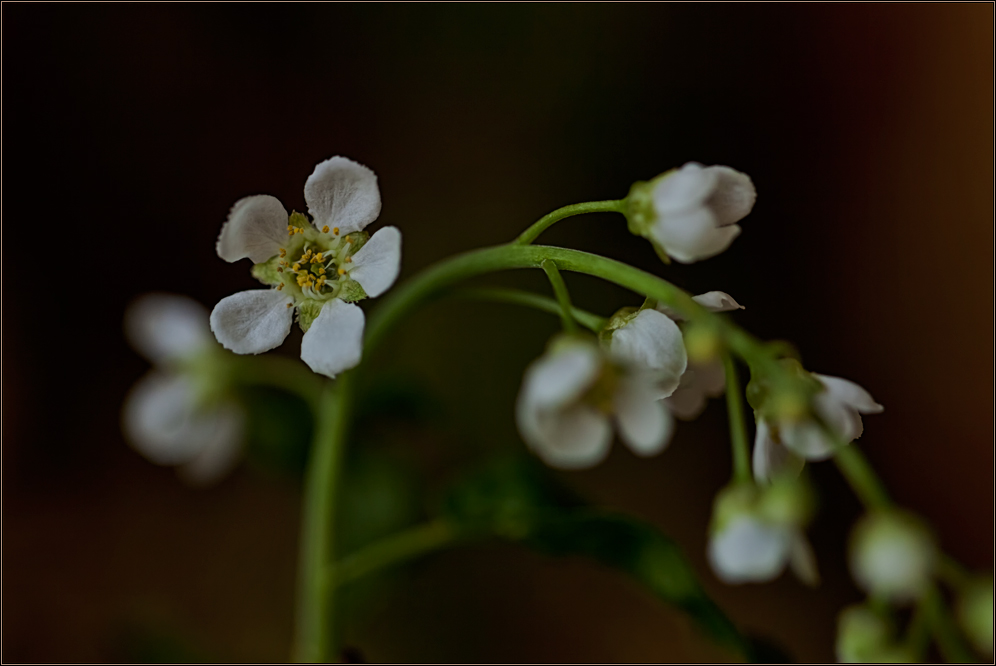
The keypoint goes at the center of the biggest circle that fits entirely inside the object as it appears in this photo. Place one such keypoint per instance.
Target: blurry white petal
(733, 197)
(717, 301)
(334, 342)
(850, 394)
(575, 438)
(378, 262)
(771, 459)
(161, 421)
(692, 235)
(252, 322)
(222, 453)
(561, 376)
(256, 228)
(748, 550)
(807, 439)
(700, 382)
(343, 194)
(653, 341)
(687, 187)
(165, 327)
(645, 424)
(802, 561)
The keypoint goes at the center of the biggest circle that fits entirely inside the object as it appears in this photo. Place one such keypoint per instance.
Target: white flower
(784, 445)
(701, 381)
(757, 532)
(892, 555)
(571, 396)
(317, 268)
(695, 210)
(170, 416)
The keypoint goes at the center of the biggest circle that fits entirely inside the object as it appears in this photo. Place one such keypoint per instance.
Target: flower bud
(892, 555)
(863, 636)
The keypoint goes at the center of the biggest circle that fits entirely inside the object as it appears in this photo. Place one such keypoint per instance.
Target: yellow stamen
(290, 304)
(280, 270)
(296, 267)
(280, 286)
(318, 258)
(335, 230)
(321, 271)
(325, 229)
(342, 271)
(348, 239)
(349, 260)
(283, 252)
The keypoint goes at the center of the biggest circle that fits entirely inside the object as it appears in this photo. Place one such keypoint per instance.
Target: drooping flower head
(317, 268)
(573, 395)
(179, 414)
(785, 439)
(691, 213)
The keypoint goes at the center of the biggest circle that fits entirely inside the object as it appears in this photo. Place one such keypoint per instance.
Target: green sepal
(359, 239)
(622, 317)
(307, 312)
(640, 215)
(267, 272)
(350, 291)
(299, 220)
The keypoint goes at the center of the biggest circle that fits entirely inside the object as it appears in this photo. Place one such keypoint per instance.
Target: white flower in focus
(785, 444)
(892, 555)
(170, 416)
(757, 533)
(573, 394)
(318, 268)
(701, 381)
(691, 213)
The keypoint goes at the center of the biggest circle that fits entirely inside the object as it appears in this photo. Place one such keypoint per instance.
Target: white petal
(378, 262)
(334, 342)
(645, 424)
(561, 376)
(161, 422)
(165, 327)
(254, 321)
(802, 561)
(222, 453)
(343, 194)
(771, 459)
(850, 393)
(733, 197)
(748, 550)
(807, 439)
(699, 383)
(256, 228)
(652, 340)
(690, 236)
(688, 187)
(717, 301)
(841, 418)
(574, 438)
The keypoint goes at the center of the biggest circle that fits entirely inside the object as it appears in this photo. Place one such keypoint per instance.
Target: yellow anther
(349, 260)
(283, 252)
(348, 239)
(280, 270)
(325, 229)
(318, 258)
(321, 271)
(335, 230)
(290, 304)
(280, 286)
(296, 267)
(300, 230)
(341, 271)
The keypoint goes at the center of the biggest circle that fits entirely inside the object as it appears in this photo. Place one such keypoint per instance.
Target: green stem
(316, 638)
(589, 320)
(548, 220)
(861, 477)
(918, 632)
(563, 297)
(949, 641)
(738, 426)
(397, 548)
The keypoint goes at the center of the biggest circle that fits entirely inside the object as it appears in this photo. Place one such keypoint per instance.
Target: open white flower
(172, 415)
(571, 396)
(317, 268)
(783, 446)
(701, 381)
(691, 213)
(757, 532)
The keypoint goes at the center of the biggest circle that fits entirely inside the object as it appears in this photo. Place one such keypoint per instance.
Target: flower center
(316, 262)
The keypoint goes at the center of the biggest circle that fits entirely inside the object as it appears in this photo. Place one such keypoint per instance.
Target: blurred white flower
(782, 446)
(701, 381)
(170, 416)
(892, 555)
(318, 268)
(571, 396)
(695, 210)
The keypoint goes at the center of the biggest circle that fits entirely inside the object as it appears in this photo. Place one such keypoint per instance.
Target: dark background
(130, 130)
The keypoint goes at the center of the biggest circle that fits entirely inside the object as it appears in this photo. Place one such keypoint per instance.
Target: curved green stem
(738, 427)
(563, 297)
(949, 641)
(316, 639)
(397, 548)
(548, 220)
(589, 320)
(861, 477)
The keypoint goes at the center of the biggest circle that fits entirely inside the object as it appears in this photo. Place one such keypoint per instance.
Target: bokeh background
(130, 130)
